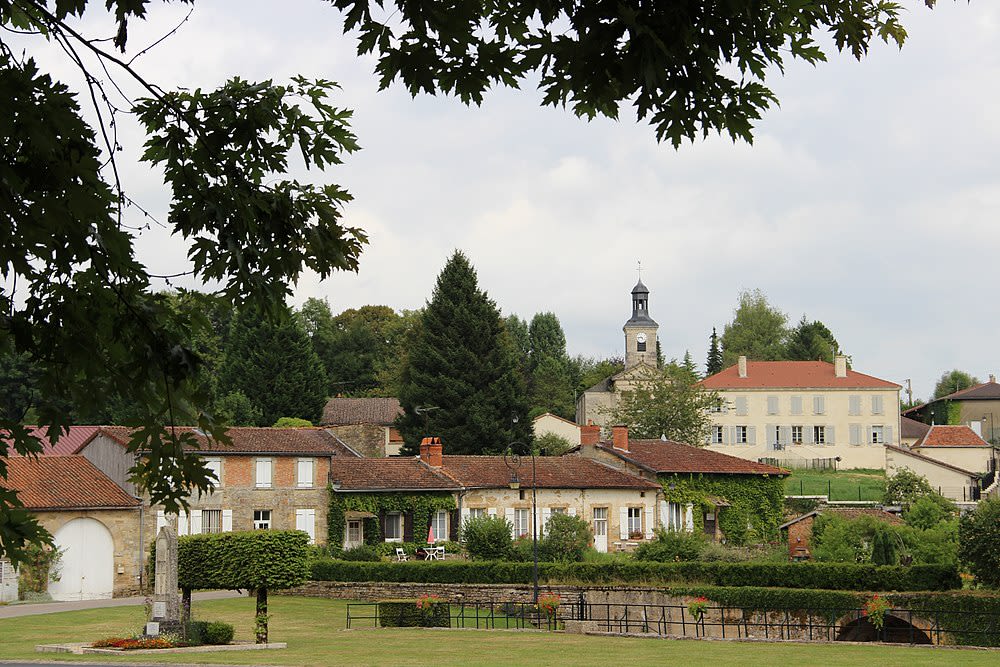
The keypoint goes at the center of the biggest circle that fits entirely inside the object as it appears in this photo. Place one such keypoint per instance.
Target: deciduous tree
(758, 330)
(952, 381)
(667, 404)
(811, 341)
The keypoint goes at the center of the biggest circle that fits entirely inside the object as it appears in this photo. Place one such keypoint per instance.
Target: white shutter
(876, 405)
(304, 473)
(227, 521)
(465, 516)
(854, 405)
(305, 520)
(572, 511)
(830, 436)
(689, 518)
(649, 522)
(808, 435)
(509, 513)
(491, 511)
(262, 478)
(751, 435)
(855, 434)
(741, 405)
(770, 437)
(663, 514)
(623, 522)
(161, 520)
(196, 522)
(772, 405)
(819, 406)
(726, 437)
(546, 515)
(182, 523)
(796, 405)
(888, 435)
(786, 435)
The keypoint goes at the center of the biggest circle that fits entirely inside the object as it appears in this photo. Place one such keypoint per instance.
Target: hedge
(406, 614)
(826, 576)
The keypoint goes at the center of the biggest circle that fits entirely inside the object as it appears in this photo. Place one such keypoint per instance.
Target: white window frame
(477, 512)
(262, 519)
(305, 520)
(214, 463)
(876, 434)
(675, 516)
(305, 473)
(819, 434)
(360, 531)
(207, 522)
(397, 519)
(635, 521)
(263, 473)
(741, 434)
(522, 522)
(797, 434)
(716, 435)
(439, 525)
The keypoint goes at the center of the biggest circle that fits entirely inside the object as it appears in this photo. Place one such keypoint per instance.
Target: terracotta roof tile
(792, 375)
(388, 474)
(64, 482)
(667, 456)
(67, 443)
(253, 440)
(348, 411)
(552, 472)
(941, 435)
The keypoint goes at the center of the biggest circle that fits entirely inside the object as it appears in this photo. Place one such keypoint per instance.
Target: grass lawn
(314, 630)
(841, 485)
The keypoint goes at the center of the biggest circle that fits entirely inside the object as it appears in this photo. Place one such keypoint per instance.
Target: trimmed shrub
(566, 539)
(196, 632)
(829, 576)
(362, 552)
(488, 538)
(218, 633)
(408, 614)
(672, 546)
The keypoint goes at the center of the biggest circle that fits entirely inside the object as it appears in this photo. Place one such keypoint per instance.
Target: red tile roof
(941, 435)
(792, 375)
(552, 472)
(389, 474)
(67, 443)
(64, 482)
(253, 440)
(348, 411)
(667, 456)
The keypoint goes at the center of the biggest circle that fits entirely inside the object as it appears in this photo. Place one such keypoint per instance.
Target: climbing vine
(755, 503)
(422, 505)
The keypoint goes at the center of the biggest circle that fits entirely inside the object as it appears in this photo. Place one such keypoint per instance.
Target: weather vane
(640, 270)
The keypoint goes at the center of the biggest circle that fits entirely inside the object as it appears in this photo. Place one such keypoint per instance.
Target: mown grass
(314, 630)
(857, 484)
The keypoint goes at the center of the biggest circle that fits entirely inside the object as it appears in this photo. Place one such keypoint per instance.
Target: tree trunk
(185, 608)
(260, 624)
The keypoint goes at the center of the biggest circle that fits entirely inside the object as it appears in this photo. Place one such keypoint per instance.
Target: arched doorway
(87, 568)
(895, 631)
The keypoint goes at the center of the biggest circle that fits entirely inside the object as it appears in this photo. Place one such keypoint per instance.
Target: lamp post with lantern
(512, 459)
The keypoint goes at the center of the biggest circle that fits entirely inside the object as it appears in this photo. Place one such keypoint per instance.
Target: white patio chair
(401, 555)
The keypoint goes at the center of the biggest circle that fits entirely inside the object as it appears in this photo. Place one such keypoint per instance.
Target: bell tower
(640, 330)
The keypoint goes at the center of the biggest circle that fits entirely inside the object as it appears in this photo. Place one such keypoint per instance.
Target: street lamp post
(512, 459)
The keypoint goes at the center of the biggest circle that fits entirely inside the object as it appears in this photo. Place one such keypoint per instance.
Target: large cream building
(795, 411)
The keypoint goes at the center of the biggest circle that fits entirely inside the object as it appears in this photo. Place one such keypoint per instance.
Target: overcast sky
(868, 200)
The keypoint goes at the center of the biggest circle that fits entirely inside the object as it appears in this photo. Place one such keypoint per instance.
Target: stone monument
(165, 616)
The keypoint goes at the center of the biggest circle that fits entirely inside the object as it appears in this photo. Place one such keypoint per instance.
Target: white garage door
(87, 568)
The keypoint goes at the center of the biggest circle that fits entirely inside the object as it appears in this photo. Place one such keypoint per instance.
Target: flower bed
(133, 643)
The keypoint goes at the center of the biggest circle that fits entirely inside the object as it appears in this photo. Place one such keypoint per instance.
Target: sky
(868, 199)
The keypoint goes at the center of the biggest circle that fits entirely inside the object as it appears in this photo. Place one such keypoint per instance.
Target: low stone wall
(373, 591)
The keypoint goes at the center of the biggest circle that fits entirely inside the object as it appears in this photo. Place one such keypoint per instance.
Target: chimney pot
(993, 378)
(435, 451)
(619, 437)
(590, 434)
(742, 363)
(840, 366)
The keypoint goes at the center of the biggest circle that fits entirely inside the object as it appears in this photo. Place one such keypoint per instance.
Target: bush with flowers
(548, 604)
(697, 607)
(875, 609)
(133, 643)
(427, 602)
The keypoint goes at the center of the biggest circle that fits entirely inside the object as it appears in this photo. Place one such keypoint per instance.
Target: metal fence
(902, 626)
(800, 463)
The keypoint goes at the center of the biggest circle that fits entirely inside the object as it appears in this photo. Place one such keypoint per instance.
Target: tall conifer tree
(714, 363)
(464, 365)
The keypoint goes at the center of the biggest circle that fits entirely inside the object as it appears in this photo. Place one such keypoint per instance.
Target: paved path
(16, 610)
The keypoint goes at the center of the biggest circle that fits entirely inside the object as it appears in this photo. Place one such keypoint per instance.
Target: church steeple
(640, 330)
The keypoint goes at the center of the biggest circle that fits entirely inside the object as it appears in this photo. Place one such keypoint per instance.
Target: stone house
(701, 489)
(620, 508)
(94, 522)
(800, 529)
(977, 406)
(365, 424)
(803, 413)
(547, 423)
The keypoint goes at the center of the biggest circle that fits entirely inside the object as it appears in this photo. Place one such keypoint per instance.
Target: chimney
(619, 437)
(742, 363)
(425, 445)
(993, 378)
(590, 434)
(840, 366)
(435, 451)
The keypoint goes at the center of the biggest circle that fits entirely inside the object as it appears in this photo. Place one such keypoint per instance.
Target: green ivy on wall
(422, 505)
(755, 502)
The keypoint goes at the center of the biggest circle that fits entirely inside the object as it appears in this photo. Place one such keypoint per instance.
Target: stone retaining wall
(372, 591)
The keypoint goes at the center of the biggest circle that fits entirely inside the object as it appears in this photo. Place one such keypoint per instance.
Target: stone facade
(128, 534)
(371, 440)
(800, 538)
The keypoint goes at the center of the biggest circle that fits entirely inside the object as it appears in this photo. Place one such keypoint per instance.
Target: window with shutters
(877, 435)
(854, 405)
(304, 473)
(741, 405)
(877, 405)
(211, 521)
(776, 437)
(477, 512)
(741, 435)
(262, 519)
(215, 465)
(635, 523)
(819, 405)
(559, 510)
(439, 525)
(305, 520)
(796, 435)
(772, 405)
(394, 527)
(522, 522)
(819, 435)
(796, 405)
(262, 474)
(675, 516)
(716, 435)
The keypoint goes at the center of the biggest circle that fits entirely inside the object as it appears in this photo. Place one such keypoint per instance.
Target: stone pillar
(166, 605)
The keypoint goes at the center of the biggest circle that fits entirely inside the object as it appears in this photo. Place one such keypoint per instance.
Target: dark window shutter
(408, 527)
(381, 522)
(453, 526)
